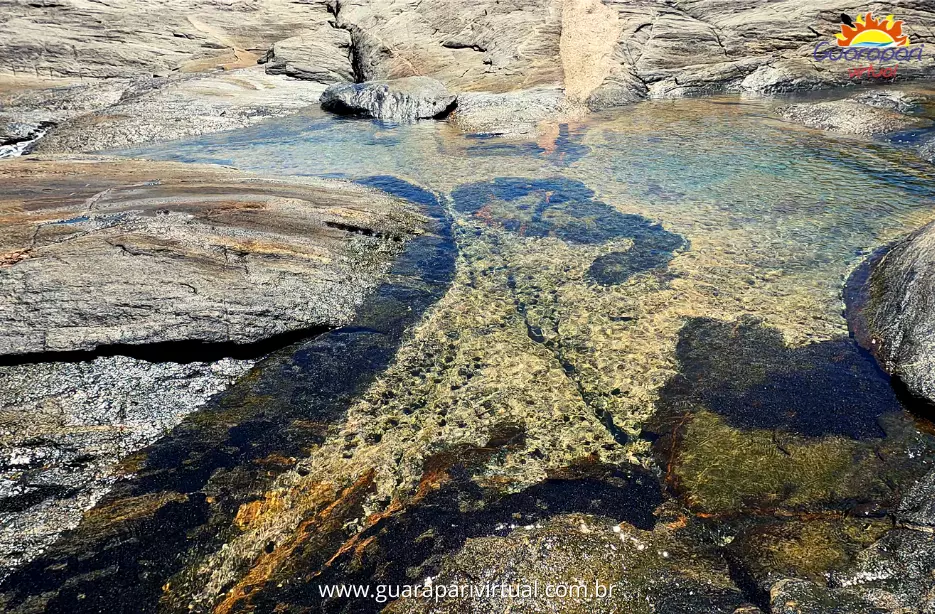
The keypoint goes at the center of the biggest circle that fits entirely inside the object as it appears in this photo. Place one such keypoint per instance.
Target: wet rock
(894, 574)
(918, 505)
(639, 571)
(131, 252)
(894, 100)
(322, 55)
(926, 148)
(891, 309)
(860, 115)
(793, 596)
(405, 99)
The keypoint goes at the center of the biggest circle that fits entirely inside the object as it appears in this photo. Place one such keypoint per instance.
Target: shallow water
(650, 298)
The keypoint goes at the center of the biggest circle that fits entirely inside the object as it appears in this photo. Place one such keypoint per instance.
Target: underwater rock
(752, 424)
(894, 100)
(793, 596)
(405, 99)
(520, 113)
(661, 571)
(891, 309)
(861, 115)
(120, 252)
(567, 209)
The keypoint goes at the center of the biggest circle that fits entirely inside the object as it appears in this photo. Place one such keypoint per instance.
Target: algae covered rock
(405, 99)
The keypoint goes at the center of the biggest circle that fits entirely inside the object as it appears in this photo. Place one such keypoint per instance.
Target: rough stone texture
(850, 116)
(322, 55)
(918, 505)
(488, 45)
(406, 99)
(895, 317)
(65, 426)
(125, 38)
(690, 47)
(894, 100)
(122, 252)
(163, 109)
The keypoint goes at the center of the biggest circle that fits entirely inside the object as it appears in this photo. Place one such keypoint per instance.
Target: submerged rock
(891, 308)
(406, 99)
(517, 113)
(861, 115)
(106, 252)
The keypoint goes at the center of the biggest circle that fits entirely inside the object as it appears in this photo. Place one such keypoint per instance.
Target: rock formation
(97, 253)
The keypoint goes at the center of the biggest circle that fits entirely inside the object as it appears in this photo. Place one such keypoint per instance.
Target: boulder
(891, 309)
(103, 252)
(403, 100)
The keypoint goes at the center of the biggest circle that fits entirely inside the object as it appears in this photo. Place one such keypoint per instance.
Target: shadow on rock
(567, 209)
(745, 373)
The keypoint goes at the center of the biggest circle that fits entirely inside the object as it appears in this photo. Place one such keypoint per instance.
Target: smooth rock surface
(406, 99)
(163, 109)
(513, 113)
(893, 312)
(103, 252)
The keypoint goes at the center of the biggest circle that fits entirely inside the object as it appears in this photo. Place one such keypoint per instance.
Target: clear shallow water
(646, 307)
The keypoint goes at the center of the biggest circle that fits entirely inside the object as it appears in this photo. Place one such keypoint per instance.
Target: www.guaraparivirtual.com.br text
(381, 593)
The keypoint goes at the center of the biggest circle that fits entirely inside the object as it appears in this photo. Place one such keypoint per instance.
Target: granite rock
(100, 252)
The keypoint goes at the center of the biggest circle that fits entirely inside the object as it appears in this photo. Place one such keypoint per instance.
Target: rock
(322, 55)
(515, 113)
(849, 116)
(892, 311)
(133, 252)
(792, 596)
(64, 427)
(894, 574)
(486, 45)
(405, 99)
(640, 571)
(918, 505)
(119, 38)
(926, 148)
(894, 100)
(150, 110)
